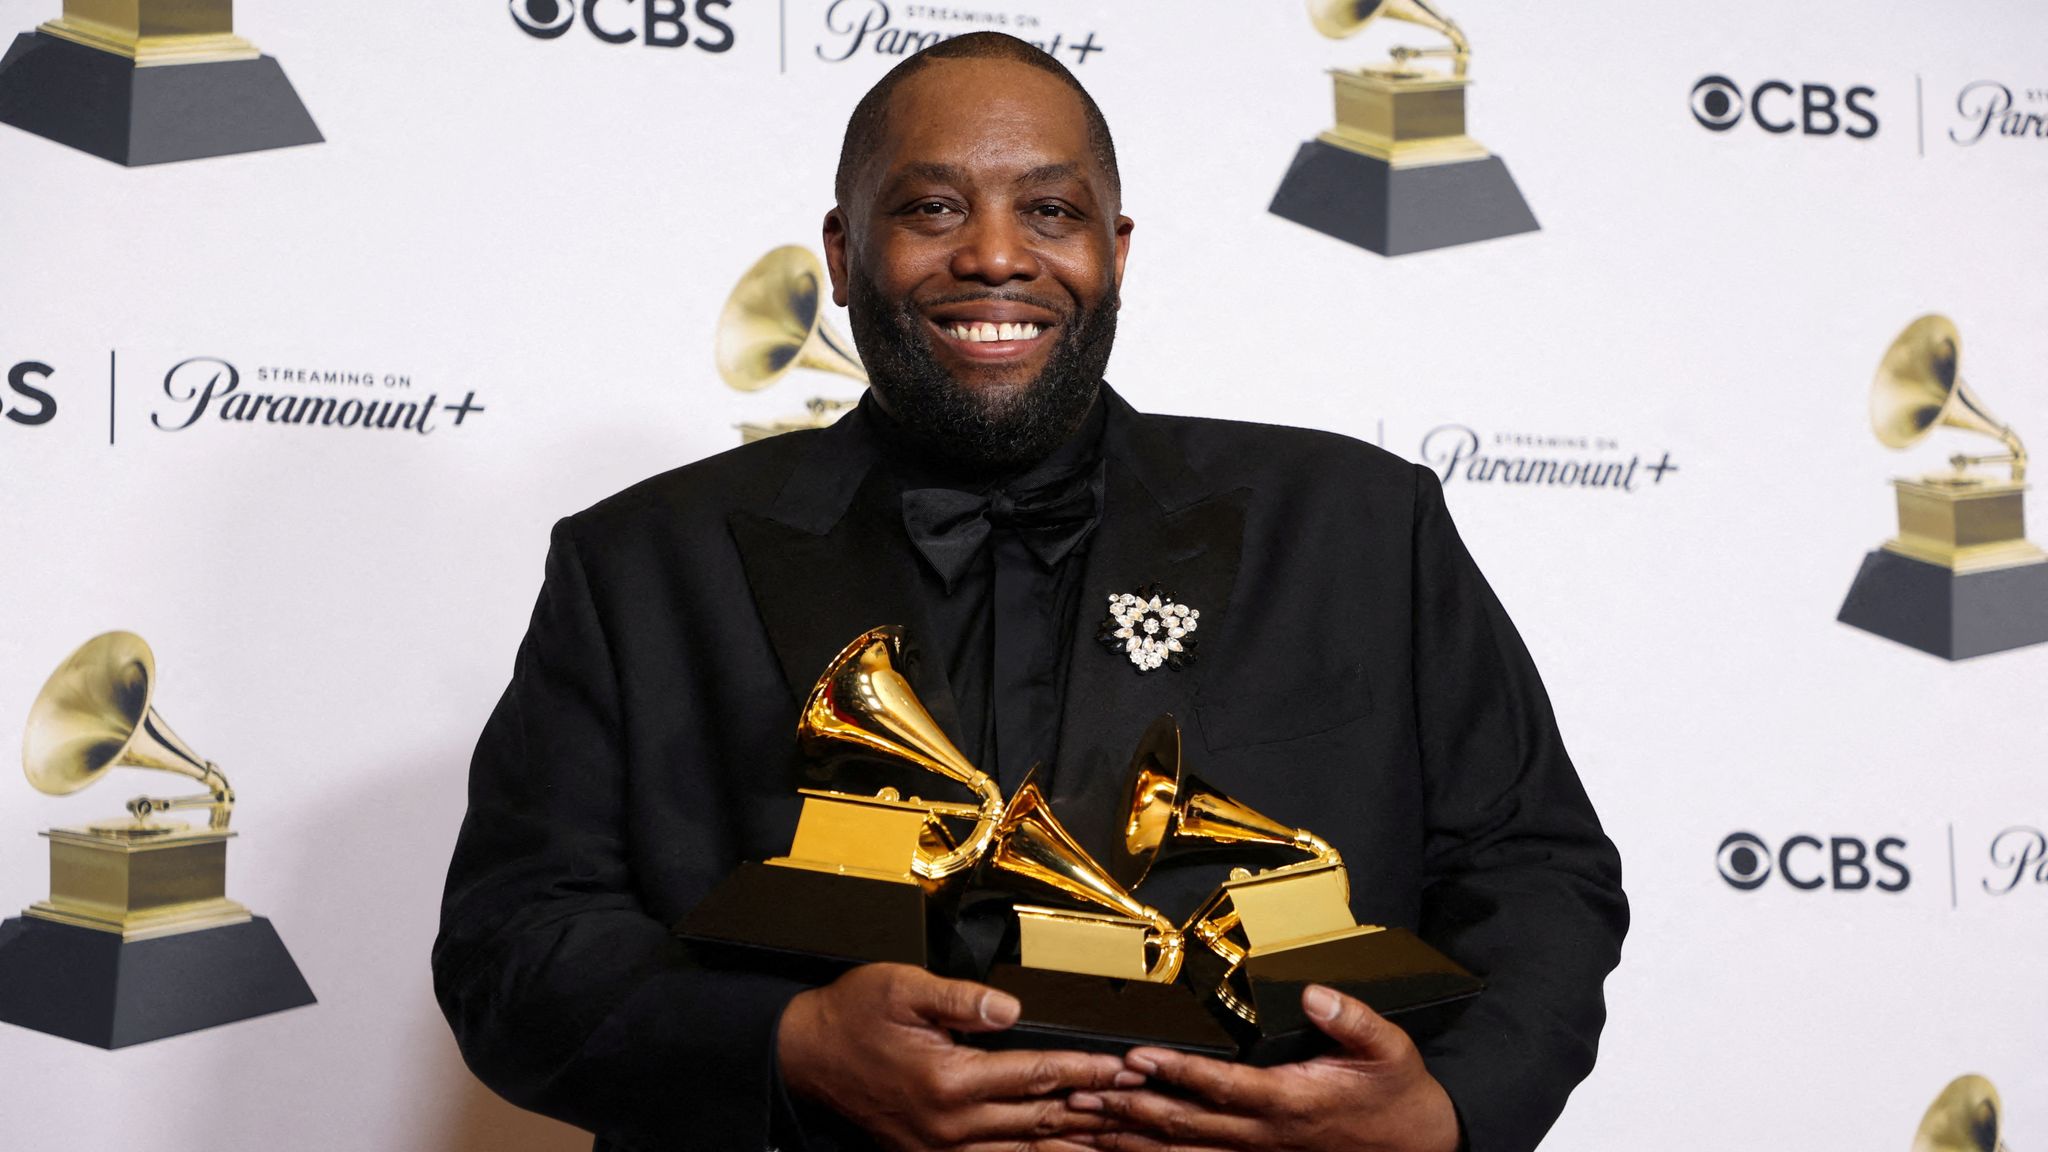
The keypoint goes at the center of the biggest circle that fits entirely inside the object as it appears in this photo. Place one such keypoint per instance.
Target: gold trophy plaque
(1960, 578)
(140, 904)
(1397, 173)
(774, 323)
(148, 82)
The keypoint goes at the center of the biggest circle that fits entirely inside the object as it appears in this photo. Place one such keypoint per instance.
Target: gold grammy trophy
(1966, 1117)
(1264, 936)
(866, 876)
(872, 878)
(148, 82)
(1960, 579)
(1097, 967)
(1121, 938)
(1397, 172)
(140, 901)
(774, 323)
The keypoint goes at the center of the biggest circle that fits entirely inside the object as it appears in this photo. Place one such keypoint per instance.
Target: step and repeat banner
(314, 317)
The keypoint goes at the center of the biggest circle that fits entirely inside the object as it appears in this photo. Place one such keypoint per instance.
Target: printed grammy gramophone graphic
(1960, 579)
(138, 940)
(878, 877)
(149, 82)
(774, 323)
(1397, 173)
(1967, 1116)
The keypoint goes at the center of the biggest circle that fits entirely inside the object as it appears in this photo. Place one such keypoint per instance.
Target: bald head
(867, 128)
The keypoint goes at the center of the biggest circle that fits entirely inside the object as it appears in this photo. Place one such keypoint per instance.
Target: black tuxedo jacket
(1355, 676)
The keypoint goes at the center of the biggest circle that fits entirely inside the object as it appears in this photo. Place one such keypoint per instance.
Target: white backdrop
(552, 226)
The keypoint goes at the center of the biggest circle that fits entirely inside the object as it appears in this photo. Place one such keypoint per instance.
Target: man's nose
(995, 248)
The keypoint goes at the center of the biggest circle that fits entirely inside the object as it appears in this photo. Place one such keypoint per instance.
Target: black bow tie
(950, 527)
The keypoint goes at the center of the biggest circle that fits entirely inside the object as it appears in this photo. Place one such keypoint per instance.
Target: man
(1353, 674)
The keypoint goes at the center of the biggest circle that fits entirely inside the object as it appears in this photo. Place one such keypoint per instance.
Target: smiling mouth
(984, 332)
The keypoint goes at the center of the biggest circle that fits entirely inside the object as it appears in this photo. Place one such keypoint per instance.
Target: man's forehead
(991, 114)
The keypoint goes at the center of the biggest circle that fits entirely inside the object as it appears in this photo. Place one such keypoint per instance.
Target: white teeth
(983, 332)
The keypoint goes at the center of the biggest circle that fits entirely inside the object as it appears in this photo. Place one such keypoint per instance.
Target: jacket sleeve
(565, 995)
(1520, 883)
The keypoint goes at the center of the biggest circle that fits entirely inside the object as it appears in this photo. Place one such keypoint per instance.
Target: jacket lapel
(1160, 523)
(829, 561)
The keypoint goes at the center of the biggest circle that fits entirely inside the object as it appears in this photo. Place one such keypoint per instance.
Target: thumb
(960, 1005)
(1362, 1031)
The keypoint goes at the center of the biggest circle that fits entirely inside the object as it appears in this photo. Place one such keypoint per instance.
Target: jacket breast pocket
(1241, 713)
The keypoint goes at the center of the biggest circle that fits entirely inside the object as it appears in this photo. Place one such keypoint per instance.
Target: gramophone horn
(1919, 386)
(862, 700)
(95, 713)
(1966, 1117)
(1034, 853)
(1170, 812)
(774, 321)
(1339, 19)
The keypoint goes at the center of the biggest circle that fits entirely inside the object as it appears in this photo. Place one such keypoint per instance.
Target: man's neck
(911, 456)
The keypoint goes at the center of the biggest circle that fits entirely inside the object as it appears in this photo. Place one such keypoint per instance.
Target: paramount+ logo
(1780, 107)
(1810, 863)
(650, 23)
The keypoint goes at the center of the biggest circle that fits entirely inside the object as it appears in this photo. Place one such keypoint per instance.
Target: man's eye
(1050, 211)
(932, 208)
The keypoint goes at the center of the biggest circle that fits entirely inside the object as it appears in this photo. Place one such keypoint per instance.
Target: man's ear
(1123, 250)
(835, 254)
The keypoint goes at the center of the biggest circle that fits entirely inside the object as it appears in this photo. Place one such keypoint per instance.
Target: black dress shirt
(1001, 626)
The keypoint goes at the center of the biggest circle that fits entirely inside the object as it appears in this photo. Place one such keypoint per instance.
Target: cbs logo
(22, 401)
(1718, 104)
(1844, 863)
(658, 23)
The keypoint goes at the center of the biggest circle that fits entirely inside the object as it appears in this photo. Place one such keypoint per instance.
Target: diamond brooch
(1149, 629)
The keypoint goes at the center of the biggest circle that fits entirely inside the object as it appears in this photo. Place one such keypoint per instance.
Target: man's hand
(875, 1046)
(1372, 1094)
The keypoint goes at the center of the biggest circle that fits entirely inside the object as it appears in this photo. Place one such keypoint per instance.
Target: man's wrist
(795, 1033)
(1460, 1142)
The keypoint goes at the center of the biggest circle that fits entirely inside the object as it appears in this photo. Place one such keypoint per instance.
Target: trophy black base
(1948, 614)
(1393, 971)
(1371, 204)
(809, 925)
(101, 103)
(98, 989)
(1072, 1012)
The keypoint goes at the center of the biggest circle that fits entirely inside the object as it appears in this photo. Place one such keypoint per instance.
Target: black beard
(956, 426)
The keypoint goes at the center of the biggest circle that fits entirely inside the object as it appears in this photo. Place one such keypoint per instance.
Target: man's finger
(1362, 1031)
(1138, 1142)
(1030, 1074)
(1056, 1144)
(1234, 1087)
(961, 1005)
(1017, 1124)
(1176, 1123)
(1027, 1146)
